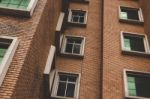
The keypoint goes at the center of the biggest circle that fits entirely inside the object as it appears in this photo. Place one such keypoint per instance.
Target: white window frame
(28, 11)
(55, 85)
(140, 15)
(70, 16)
(126, 83)
(145, 39)
(8, 57)
(63, 47)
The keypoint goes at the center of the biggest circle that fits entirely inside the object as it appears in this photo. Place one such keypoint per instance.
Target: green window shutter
(127, 44)
(5, 1)
(131, 86)
(16, 2)
(123, 15)
(25, 3)
(19, 4)
(2, 53)
(132, 92)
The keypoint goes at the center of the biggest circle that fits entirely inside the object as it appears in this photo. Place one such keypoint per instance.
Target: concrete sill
(81, 1)
(76, 24)
(136, 53)
(135, 97)
(131, 21)
(72, 55)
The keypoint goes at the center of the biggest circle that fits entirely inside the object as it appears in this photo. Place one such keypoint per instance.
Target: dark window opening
(131, 13)
(136, 43)
(139, 84)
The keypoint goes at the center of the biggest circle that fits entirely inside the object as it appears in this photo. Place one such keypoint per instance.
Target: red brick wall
(90, 65)
(113, 61)
(25, 74)
(145, 8)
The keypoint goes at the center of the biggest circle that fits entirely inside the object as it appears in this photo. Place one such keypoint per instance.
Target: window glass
(73, 45)
(129, 13)
(19, 4)
(4, 44)
(66, 85)
(138, 84)
(78, 16)
(134, 43)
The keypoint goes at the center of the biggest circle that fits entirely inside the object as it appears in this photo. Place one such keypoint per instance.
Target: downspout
(102, 45)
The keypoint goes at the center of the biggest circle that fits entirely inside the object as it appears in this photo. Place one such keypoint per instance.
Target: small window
(135, 42)
(66, 85)
(137, 85)
(8, 45)
(73, 45)
(24, 7)
(130, 14)
(77, 16)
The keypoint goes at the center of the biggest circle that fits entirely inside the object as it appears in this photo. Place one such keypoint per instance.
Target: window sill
(15, 12)
(82, 1)
(78, 56)
(136, 53)
(135, 97)
(57, 97)
(131, 21)
(77, 24)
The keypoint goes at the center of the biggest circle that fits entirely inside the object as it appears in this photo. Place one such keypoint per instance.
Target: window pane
(2, 52)
(140, 85)
(127, 44)
(132, 92)
(131, 13)
(70, 40)
(72, 78)
(81, 20)
(123, 15)
(25, 3)
(76, 49)
(20, 4)
(5, 1)
(78, 41)
(134, 43)
(63, 77)
(61, 89)
(131, 85)
(70, 90)
(143, 86)
(131, 79)
(75, 19)
(17, 2)
(69, 48)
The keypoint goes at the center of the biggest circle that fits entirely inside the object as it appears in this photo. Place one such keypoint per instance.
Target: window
(134, 42)
(137, 85)
(77, 16)
(66, 85)
(73, 45)
(8, 45)
(24, 7)
(130, 14)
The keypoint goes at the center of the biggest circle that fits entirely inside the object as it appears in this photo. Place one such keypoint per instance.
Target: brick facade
(101, 68)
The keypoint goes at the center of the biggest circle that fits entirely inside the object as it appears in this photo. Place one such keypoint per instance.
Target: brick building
(74, 49)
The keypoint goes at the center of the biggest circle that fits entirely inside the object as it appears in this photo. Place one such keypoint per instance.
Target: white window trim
(60, 21)
(70, 16)
(8, 57)
(126, 84)
(30, 7)
(140, 15)
(146, 44)
(64, 45)
(55, 85)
